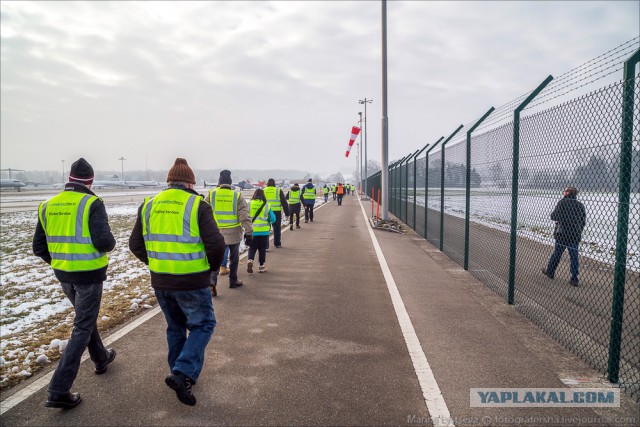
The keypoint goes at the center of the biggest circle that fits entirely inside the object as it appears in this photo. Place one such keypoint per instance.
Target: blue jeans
(326, 197)
(225, 258)
(187, 311)
(86, 301)
(234, 259)
(558, 250)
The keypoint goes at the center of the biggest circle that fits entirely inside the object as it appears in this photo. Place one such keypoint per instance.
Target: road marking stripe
(44, 381)
(436, 405)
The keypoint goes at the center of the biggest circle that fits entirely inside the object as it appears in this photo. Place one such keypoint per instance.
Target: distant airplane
(125, 184)
(12, 183)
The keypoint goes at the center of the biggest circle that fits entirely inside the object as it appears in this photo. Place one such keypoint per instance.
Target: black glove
(248, 238)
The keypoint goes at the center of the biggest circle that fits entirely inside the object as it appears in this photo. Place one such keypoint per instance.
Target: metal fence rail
(485, 197)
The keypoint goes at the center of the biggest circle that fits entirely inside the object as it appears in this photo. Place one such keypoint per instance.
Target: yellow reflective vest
(224, 204)
(65, 221)
(261, 223)
(294, 197)
(309, 193)
(171, 233)
(273, 198)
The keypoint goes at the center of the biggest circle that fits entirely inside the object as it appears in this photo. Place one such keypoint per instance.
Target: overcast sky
(264, 85)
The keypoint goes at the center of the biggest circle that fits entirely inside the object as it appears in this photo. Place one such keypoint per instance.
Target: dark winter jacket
(570, 217)
(101, 238)
(214, 247)
(308, 201)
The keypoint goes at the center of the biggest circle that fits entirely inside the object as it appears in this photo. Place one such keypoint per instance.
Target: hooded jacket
(307, 201)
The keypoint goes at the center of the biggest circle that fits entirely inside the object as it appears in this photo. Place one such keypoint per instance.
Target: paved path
(316, 341)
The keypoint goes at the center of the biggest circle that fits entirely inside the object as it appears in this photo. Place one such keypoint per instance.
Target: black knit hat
(310, 180)
(81, 171)
(181, 172)
(225, 177)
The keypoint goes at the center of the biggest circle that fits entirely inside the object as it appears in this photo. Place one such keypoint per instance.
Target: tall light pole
(365, 102)
(360, 158)
(122, 159)
(384, 176)
(63, 171)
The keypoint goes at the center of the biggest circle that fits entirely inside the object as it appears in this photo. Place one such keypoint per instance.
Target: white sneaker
(250, 266)
(262, 268)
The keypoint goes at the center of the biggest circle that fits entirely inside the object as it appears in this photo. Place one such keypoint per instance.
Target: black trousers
(259, 244)
(308, 212)
(277, 229)
(294, 210)
(340, 199)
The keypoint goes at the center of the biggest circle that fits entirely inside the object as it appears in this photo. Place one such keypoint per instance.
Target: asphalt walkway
(317, 340)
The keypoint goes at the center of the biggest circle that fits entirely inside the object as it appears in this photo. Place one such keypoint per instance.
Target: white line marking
(43, 381)
(436, 405)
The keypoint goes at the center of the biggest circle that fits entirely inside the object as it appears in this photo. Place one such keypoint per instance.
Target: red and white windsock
(354, 134)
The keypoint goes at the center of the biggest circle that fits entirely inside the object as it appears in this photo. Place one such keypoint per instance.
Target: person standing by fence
(293, 196)
(73, 236)
(570, 217)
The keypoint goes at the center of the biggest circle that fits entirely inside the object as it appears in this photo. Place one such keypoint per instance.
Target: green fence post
(399, 201)
(626, 152)
(514, 186)
(415, 180)
(426, 184)
(442, 188)
(394, 203)
(406, 202)
(395, 188)
(468, 186)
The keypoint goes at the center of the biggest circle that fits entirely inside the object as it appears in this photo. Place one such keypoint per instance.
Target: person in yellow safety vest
(325, 192)
(340, 193)
(278, 202)
(176, 236)
(231, 212)
(262, 216)
(333, 191)
(353, 190)
(73, 236)
(293, 196)
(309, 200)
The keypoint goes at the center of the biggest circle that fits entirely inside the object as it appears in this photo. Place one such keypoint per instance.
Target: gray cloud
(271, 84)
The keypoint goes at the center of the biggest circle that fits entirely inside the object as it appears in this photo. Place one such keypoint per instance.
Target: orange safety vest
(340, 189)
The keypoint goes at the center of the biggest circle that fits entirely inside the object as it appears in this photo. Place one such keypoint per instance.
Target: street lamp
(365, 102)
(360, 157)
(122, 159)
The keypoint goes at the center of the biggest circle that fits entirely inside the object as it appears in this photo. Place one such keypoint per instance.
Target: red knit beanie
(181, 172)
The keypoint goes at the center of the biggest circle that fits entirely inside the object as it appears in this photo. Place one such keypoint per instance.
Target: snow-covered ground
(493, 209)
(35, 315)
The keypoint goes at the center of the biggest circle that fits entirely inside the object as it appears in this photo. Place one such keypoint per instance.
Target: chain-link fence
(540, 200)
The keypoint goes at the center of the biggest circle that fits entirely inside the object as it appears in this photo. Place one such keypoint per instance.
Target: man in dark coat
(570, 217)
(63, 229)
(181, 257)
